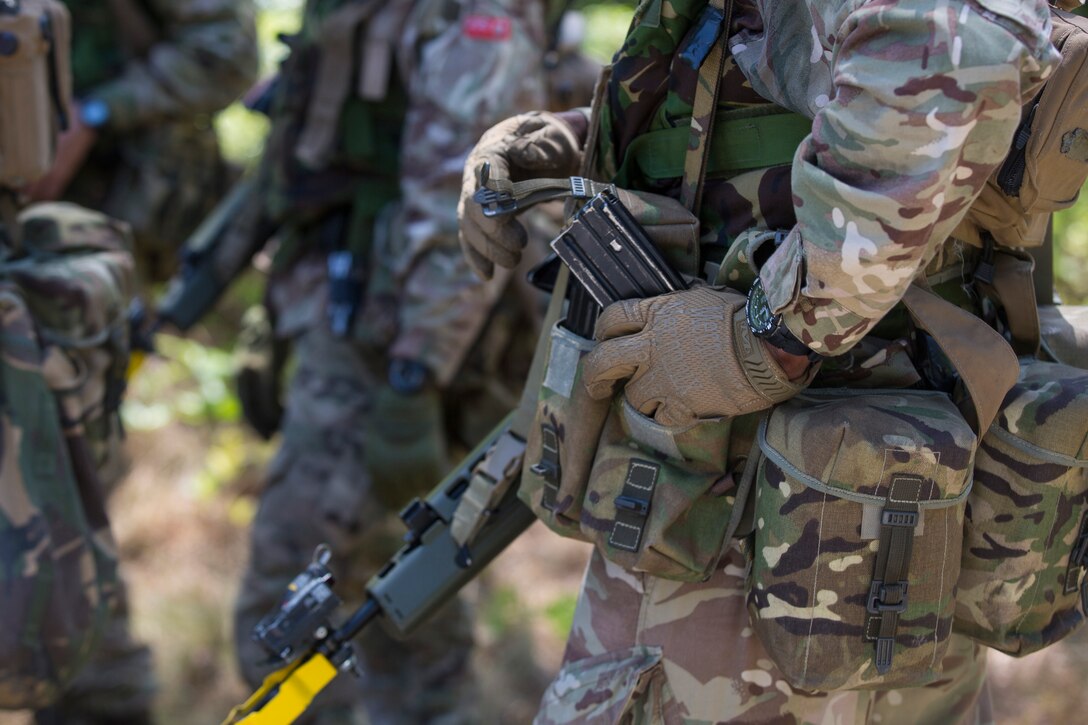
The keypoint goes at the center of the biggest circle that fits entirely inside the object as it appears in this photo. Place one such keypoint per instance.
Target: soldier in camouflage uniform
(149, 76)
(399, 356)
(913, 104)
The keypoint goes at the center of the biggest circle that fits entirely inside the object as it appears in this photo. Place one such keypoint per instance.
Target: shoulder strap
(718, 13)
(332, 86)
(985, 361)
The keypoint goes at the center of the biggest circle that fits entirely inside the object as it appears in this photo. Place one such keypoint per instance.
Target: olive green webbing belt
(742, 140)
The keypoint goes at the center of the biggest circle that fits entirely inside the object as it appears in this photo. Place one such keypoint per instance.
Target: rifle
(474, 513)
(214, 255)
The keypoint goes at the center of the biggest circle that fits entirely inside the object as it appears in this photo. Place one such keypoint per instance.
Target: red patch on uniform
(486, 27)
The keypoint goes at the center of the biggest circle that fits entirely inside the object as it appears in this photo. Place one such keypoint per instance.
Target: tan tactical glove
(686, 355)
(537, 144)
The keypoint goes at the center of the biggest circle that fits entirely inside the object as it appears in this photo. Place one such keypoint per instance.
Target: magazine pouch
(660, 498)
(563, 439)
(859, 504)
(1022, 582)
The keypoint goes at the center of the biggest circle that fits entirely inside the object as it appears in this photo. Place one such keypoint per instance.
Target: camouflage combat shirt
(914, 103)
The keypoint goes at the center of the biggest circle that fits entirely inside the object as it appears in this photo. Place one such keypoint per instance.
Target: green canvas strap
(742, 140)
(888, 590)
(714, 22)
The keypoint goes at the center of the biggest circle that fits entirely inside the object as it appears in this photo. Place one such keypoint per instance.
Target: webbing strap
(333, 84)
(548, 466)
(888, 590)
(740, 141)
(1006, 277)
(492, 478)
(714, 22)
(982, 357)
(633, 504)
(501, 196)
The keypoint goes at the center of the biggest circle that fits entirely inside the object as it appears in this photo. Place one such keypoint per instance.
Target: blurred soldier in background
(402, 353)
(140, 146)
(65, 280)
(149, 75)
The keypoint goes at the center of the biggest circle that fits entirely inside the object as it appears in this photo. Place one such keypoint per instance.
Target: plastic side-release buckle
(495, 203)
(907, 519)
(887, 598)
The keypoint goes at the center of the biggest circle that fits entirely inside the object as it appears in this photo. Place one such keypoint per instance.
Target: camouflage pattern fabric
(65, 351)
(834, 465)
(458, 67)
(650, 650)
(926, 93)
(845, 263)
(853, 270)
(156, 163)
(1020, 588)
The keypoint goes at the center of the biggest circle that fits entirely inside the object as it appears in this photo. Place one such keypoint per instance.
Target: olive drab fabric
(63, 354)
(1048, 161)
(35, 87)
(163, 68)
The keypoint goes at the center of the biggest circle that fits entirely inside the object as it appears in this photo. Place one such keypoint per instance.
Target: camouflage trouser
(319, 491)
(650, 650)
(116, 685)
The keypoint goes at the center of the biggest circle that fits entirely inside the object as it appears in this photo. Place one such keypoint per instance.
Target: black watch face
(760, 318)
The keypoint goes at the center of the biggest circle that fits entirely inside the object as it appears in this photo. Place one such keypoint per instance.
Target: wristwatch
(94, 113)
(768, 326)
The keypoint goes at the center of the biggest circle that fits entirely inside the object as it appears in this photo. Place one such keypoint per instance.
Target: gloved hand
(537, 144)
(686, 355)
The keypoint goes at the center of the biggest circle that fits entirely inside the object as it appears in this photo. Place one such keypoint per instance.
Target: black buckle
(495, 203)
(907, 519)
(634, 505)
(1079, 556)
(880, 594)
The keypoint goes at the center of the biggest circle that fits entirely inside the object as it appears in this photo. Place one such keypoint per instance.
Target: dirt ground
(184, 548)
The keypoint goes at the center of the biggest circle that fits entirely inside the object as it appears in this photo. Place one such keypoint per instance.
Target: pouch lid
(855, 444)
(1046, 413)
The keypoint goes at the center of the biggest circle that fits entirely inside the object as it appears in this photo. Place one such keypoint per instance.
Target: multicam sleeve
(205, 57)
(480, 69)
(927, 97)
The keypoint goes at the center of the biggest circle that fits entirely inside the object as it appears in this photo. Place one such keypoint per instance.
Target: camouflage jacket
(914, 103)
(164, 59)
(458, 67)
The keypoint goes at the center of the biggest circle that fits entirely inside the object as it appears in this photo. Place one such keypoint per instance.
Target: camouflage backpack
(63, 354)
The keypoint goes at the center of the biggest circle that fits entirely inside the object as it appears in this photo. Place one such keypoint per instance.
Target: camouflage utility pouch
(1022, 583)
(563, 440)
(665, 500)
(859, 505)
(35, 84)
(63, 345)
